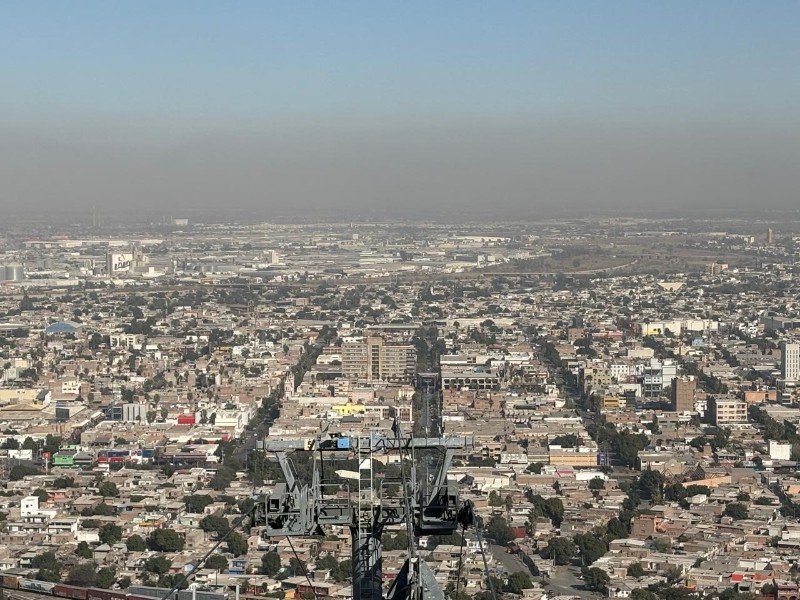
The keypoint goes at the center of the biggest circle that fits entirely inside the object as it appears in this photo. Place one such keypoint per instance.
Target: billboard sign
(120, 262)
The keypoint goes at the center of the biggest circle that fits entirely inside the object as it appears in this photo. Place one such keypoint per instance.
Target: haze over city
(405, 110)
(399, 300)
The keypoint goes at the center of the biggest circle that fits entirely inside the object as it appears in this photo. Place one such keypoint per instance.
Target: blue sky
(269, 60)
(393, 103)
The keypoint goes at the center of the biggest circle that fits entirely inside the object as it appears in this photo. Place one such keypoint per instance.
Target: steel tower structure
(432, 507)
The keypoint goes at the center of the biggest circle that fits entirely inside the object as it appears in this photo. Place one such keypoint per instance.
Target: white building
(780, 450)
(658, 375)
(134, 412)
(790, 362)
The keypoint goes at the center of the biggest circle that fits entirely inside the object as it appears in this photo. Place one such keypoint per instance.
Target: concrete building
(780, 450)
(474, 378)
(657, 375)
(683, 390)
(583, 456)
(726, 411)
(790, 362)
(134, 412)
(374, 359)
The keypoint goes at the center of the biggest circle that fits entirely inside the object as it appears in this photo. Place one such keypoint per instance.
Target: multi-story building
(583, 456)
(726, 411)
(790, 362)
(374, 359)
(613, 401)
(657, 375)
(683, 390)
(474, 378)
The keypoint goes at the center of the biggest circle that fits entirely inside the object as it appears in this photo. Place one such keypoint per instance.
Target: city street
(566, 581)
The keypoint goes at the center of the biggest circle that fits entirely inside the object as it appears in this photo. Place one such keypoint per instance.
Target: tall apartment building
(657, 375)
(683, 390)
(790, 362)
(374, 359)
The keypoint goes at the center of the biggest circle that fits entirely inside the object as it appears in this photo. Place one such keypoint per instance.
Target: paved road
(566, 581)
(511, 562)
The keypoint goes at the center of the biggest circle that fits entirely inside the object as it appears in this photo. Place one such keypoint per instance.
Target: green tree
(170, 581)
(26, 303)
(165, 540)
(158, 564)
(110, 533)
(635, 570)
(10, 444)
(656, 429)
(769, 589)
(237, 544)
(694, 490)
(560, 550)
(396, 540)
(135, 543)
(643, 594)
(297, 567)
(616, 529)
(597, 483)
(108, 489)
(552, 508)
(46, 560)
(596, 580)
(651, 485)
(64, 482)
(327, 562)
(19, 472)
(499, 530)
(519, 581)
(217, 562)
(628, 445)
(103, 510)
(41, 494)
(106, 577)
(270, 563)
(83, 550)
(675, 492)
(662, 544)
(344, 571)
(737, 511)
(591, 547)
(51, 575)
(215, 524)
(52, 443)
(568, 440)
(197, 503)
(222, 479)
(83, 574)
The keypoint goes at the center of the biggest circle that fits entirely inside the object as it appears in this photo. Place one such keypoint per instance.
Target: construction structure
(427, 504)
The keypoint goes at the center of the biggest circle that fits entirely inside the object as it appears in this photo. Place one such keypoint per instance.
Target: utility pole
(296, 508)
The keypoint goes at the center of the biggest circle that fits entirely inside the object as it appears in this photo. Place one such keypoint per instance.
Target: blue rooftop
(62, 327)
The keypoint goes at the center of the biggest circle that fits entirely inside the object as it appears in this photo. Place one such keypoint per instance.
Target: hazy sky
(399, 106)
